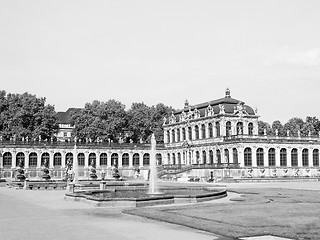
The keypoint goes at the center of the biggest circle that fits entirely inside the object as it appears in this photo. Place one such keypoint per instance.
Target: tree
(264, 126)
(144, 120)
(276, 125)
(140, 121)
(103, 120)
(312, 125)
(25, 115)
(294, 125)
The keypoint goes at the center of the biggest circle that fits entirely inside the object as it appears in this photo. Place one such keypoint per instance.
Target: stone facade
(223, 134)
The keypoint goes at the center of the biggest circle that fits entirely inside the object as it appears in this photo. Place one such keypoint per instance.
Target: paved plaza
(41, 214)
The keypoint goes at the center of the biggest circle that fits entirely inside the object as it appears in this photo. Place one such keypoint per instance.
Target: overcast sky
(74, 52)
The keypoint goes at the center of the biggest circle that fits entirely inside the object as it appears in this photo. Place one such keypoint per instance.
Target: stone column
(86, 159)
(120, 159)
(289, 157)
(223, 128)
(214, 129)
(26, 159)
(299, 157)
(51, 159)
(265, 157)
(310, 153)
(38, 160)
(98, 160)
(63, 159)
(193, 130)
(240, 156)
(14, 155)
(130, 159)
(254, 157)
(165, 138)
(277, 156)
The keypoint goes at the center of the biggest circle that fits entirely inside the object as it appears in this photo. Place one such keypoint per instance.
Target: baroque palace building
(216, 139)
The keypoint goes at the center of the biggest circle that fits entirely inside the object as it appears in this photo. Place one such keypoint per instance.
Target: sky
(73, 52)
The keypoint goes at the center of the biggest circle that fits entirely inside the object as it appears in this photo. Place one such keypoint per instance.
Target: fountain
(132, 194)
(153, 177)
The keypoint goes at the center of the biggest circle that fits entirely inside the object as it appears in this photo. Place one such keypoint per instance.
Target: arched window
(179, 158)
(196, 129)
(250, 129)
(81, 159)
(45, 158)
(178, 135)
(69, 158)
(173, 159)
(218, 156)
(92, 159)
(247, 157)
(210, 156)
(7, 160)
(226, 156)
(228, 129)
(159, 159)
(218, 129)
(260, 157)
(189, 133)
(168, 136)
(57, 159)
(283, 157)
(210, 130)
(183, 134)
(272, 157)
(305, 157)
(103, 159)
(204, 157)
(168, 156)
(33, 159)
(294, 157)
(239, 128)
(235, 156)
(20, 159)
(125, 159)
(146, 159)
(136, 159)
(203, 131)
(197, 157)
(315, 155)
(173, 133)
(114, 159)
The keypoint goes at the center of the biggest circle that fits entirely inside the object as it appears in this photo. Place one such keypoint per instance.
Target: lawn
(280, 212)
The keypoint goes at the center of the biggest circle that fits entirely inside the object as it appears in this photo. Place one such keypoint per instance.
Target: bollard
(71, 187)
(26, 184)
(102, 185)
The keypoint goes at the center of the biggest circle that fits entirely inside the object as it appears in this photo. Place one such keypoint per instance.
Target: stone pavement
(39, 215)
(44, 214)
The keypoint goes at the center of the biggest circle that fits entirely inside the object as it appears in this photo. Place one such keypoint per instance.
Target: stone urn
(115, 172)
(45, 174)
(20, 172)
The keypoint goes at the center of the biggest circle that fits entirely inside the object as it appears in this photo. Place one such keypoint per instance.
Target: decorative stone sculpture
(115, 171)
(93, 172)
(45, 170)
(20, 172)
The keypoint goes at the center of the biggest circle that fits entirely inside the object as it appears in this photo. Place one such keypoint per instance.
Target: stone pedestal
(102, 185)
(26, 184)
(70, 187)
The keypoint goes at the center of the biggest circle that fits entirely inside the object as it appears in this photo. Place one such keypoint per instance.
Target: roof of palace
(64, 117)
(225, 105)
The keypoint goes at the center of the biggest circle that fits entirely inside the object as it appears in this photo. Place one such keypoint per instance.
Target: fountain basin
(139, 197)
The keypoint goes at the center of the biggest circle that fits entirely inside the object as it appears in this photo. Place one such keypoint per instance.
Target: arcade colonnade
(33, 159)
(253, 157)
(210, 128)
